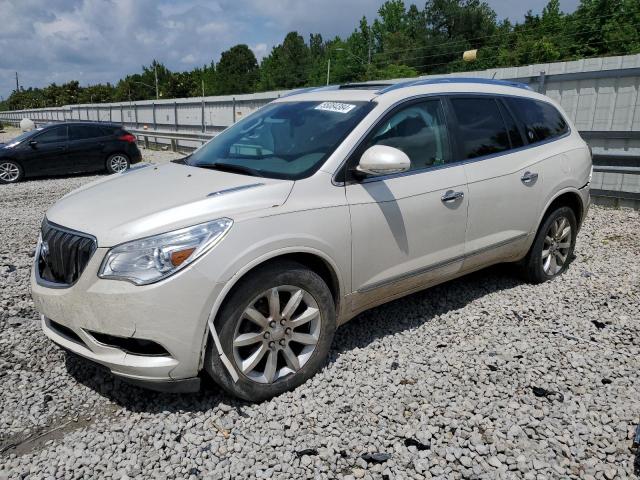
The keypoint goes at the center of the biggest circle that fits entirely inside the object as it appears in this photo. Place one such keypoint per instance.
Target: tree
(288, 64)
(237, 71)
(403, 41)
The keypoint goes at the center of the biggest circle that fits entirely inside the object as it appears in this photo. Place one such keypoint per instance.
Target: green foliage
(237, 71)
(403, 41)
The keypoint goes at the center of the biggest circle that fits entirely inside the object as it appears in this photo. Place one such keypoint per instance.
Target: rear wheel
(10, 171)
(276, 329)
(118, 163)
(553, 246)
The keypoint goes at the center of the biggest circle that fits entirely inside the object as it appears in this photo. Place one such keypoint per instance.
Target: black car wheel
(10, 171)
(553, 246)
(276, 329)
(118, 163)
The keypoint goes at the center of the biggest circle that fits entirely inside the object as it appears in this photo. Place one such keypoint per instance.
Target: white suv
(243, 258)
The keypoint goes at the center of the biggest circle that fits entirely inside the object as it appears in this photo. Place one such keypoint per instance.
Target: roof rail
(365, 86)
(309, 90)
(436, 81)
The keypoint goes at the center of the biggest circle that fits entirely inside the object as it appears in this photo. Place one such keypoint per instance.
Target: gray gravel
(436, 385)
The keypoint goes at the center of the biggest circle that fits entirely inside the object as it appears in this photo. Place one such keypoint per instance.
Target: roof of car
(82, 122)
(380, 90)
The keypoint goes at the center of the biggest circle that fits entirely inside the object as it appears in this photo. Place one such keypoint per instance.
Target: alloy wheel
(118, 163)
(9, 172)
(277, 334)
(557, 243)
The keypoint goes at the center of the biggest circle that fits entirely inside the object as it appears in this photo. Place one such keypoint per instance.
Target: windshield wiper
(229, 167)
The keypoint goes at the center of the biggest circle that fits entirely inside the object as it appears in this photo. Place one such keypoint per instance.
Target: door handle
(451, 196)
(528, 178)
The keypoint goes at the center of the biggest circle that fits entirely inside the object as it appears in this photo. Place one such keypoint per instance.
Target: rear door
(504, 179)
(86, 147)
(46, 153)
(408, 230)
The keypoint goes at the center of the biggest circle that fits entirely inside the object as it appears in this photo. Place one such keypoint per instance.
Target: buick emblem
(44, 251)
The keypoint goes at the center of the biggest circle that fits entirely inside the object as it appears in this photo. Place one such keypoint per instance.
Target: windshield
(15, 140)
(288, 140)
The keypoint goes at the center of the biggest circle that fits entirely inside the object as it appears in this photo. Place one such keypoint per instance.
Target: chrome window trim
(338, 183)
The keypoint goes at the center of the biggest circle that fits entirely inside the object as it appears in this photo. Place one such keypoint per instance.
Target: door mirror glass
(383, 160)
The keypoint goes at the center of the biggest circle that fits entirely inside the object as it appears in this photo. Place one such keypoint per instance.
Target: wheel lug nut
(272, 345)
(287, 331)
(282, 322)
(272, 324)
(282, 342)
(267, 334)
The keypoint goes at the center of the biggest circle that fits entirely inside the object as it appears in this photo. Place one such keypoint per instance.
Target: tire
(549, 241)
(10, 171)
(289, 280)
(118, 163)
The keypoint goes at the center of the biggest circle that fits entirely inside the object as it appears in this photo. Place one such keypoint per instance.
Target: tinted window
(55, 134)
(419, 130)
(541, 120)
(512, 127)
(288, 140)
(481, 128)
(81, 132)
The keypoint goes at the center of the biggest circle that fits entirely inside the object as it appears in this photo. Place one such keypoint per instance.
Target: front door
(408, 230)
(46, 153)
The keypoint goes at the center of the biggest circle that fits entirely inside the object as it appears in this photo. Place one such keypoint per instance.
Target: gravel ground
(436, 385)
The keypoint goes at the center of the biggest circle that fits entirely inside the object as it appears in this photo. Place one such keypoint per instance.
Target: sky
(99, 41)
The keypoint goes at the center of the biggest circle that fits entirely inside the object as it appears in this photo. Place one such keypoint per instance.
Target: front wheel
(118, 163)
(10, 172)
(276, 329)
(553, 246)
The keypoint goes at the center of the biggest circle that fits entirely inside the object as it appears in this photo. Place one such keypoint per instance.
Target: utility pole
(155, 71)
(329, 68)
(17, 83)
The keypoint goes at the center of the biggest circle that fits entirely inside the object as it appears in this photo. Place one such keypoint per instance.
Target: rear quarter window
(541, 120)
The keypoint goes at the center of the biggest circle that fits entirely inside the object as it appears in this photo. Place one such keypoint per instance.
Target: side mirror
(33, 144)
(383, 160)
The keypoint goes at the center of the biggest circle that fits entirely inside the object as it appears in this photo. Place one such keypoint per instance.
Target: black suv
(69, 147)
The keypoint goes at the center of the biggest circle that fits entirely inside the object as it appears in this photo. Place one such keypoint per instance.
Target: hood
(158, 199)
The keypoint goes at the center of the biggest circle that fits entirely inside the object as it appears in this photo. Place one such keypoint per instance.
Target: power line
(565, 59)
(503, 34)
(557, 36)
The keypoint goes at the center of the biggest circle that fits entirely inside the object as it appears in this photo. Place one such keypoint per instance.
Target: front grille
(64, 254)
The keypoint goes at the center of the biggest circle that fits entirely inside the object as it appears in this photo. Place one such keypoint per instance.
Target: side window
(419, 130)
(480, 126)
(541, 120)
(83, 132)
(512, 127)
(56, 134)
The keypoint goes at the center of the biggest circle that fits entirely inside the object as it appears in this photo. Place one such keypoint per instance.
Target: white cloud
(189, 58)
(260, 50)
(103, 40)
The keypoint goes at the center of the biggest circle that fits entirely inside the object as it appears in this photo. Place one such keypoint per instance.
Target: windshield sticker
(335, 107)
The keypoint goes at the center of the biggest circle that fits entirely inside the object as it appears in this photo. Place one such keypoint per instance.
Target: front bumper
(172, 314)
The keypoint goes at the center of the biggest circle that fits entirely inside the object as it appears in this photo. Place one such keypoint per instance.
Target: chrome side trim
(234, 189)
(435, 266)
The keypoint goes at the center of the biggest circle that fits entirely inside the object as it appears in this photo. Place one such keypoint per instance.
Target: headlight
(151, 259)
